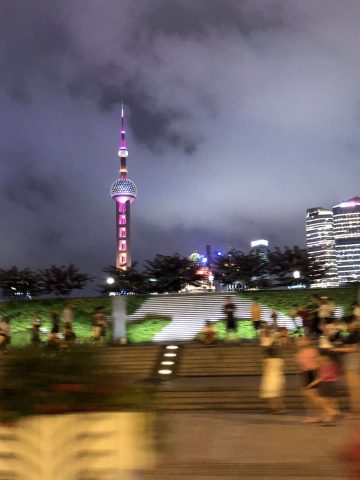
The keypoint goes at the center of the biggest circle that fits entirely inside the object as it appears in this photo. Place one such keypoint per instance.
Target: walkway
(216, 445)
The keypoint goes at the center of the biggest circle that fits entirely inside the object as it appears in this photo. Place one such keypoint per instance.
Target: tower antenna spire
(123, 142)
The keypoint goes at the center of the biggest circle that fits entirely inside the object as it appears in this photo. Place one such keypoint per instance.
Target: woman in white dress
(273, 380)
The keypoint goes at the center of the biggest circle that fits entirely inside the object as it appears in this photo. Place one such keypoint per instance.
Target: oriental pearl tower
(124, 192)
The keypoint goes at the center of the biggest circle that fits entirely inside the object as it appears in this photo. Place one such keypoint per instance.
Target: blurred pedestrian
(55, 321)
(35, 329)
(327, 384)
(69, 334)
(273, 380)
(307, 358)
(351, 364)
(314, 316)
(255, 312)
(68, 314)
(274, 318)
(208, 333)
(229, 310)
(53, 340)
(99, 325)
(5, 337)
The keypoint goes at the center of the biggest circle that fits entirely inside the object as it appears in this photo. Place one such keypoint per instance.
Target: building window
(123, 259)
(122, 232)
(122, 220)
(123, 245)
(122, 207)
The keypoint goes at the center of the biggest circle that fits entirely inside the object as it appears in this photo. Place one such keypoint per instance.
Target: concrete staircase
(188, 313)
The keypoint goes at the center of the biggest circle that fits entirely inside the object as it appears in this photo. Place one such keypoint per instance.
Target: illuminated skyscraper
(260, 248)
(124, 191)
(347, 239)
(321, 246)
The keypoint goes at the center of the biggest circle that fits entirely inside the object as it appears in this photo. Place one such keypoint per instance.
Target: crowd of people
(61, 332)
(327, 354)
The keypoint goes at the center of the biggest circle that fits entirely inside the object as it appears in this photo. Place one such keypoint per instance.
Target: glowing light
(170, 355)
(172, 347)
(167, 363)
(110, 281)
(165, 372)
(203, 271)
(258, 243)
(218, 253)
(347, 204)
(296, 274)
(204, 260)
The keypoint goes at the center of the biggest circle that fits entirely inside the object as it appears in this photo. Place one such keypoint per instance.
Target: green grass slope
(283, 300)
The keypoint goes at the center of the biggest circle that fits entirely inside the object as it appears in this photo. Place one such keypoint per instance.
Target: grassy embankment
(21, 315)
(283, 301)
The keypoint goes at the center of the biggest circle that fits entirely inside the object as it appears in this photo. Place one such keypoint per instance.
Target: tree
(20, 284)
(236, 266)
(62, 280)
(283, 264)
(171, 273)
(125, 281)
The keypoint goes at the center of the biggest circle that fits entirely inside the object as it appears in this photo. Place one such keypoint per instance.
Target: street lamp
(110, 281)
(296, 274)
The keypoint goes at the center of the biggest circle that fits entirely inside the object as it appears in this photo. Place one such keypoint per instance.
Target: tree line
(55, 280)
(168, 273)
(172, 273)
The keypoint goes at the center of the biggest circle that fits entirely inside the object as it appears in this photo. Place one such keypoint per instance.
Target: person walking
(351, 365)
(255, 312)
(326, 384)
(229, 310)
(307, 358)
(273, 380)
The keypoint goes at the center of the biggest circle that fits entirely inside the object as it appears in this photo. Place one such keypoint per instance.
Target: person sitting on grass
(208, 333)
(69, 334)
(53, 340)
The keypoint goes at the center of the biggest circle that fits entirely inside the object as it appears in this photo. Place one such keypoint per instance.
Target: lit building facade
(260, 248)
(347, 240)
(124, 192)
(321, 246)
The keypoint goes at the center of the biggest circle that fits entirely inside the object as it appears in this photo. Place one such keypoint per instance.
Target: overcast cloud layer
(240, 115)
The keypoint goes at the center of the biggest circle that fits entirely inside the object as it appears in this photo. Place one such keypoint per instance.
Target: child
(273, 380)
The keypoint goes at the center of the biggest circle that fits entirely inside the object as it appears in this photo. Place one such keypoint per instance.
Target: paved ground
(199, 446)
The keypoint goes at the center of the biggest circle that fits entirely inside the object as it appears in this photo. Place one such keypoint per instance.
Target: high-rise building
(321, 246)
(124, 191)
(260, 248)
(347, 239)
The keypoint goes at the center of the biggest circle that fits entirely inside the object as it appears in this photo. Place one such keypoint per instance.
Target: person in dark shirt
(229, 310)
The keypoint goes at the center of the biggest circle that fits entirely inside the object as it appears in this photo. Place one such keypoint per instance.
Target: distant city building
(124, 191)
(260, 248)
(321, 246)
(347, 239)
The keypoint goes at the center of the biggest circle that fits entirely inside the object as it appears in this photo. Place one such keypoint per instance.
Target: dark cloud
(194, 19)
(240, 115)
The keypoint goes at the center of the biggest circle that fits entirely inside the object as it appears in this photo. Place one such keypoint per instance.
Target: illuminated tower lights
(347, 239)
(124, 192)
(321, 245)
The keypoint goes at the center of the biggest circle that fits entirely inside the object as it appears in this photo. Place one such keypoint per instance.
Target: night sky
(240, 115)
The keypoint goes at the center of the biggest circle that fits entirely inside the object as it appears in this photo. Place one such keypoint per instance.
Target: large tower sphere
(123, 190)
